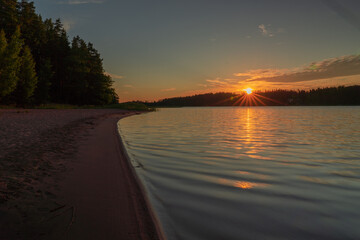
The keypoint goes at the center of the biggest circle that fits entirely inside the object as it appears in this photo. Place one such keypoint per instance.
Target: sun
(248, 90)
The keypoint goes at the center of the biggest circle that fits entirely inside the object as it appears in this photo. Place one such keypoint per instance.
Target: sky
(165, 48)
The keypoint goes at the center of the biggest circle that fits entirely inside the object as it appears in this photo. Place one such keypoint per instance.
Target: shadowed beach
(64, 175)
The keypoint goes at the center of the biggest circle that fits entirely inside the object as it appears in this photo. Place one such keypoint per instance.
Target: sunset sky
(164, 48)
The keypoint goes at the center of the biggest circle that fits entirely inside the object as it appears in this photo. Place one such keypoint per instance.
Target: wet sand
(64, 175)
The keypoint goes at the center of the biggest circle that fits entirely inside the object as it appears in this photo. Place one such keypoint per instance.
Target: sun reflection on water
(241, 184)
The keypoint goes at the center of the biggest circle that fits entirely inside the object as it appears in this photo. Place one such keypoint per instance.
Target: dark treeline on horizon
(38, 64)
(330, 96)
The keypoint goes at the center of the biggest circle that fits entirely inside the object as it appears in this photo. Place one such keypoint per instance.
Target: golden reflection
(259, 157)
(248, 132)
(241, 184)
(244, 185)
(246, 136)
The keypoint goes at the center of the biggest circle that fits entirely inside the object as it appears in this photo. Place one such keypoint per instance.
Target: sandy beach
(64, 175)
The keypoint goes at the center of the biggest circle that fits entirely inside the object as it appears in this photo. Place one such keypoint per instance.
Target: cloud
(329, 72)
(261, 73)
(329, 68)
(68, 24)
(128, 86)
(168, 89)
(114, 75)
(220, 84)
(216, 81)
(265, 30)
(78, 2)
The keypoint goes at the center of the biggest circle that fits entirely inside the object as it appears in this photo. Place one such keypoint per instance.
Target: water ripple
(250, 173)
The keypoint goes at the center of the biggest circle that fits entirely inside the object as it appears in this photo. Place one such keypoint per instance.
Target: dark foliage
(316, 97)
(70, 73)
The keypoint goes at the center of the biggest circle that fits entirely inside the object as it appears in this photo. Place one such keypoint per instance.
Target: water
(250, 173)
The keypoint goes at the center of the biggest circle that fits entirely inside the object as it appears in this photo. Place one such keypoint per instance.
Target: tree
(78, 69)
(3, 82)
(9, 62)
(8, 16)
(57, 49)
(45, 74)
(32, 29)
(99, 89)
(27, 78)
(67, 73)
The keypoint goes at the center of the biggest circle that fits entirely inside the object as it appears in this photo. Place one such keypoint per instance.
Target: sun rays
(249, 97)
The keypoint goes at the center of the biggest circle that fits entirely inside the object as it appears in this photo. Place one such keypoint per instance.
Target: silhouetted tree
(27, 78)
(8, 16)
(322, 96)
(45, 74)
(9, 62)
(67, 73)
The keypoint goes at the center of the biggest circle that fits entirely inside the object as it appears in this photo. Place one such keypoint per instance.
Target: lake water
(250, 172)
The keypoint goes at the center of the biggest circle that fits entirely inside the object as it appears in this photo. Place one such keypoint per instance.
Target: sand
(64, 175)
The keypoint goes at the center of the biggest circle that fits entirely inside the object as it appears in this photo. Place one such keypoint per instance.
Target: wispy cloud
(128, 86)
(265, 30)
(329, 72)
(329, 68)
(78, 2)
(168, 89)
(114, 76)
(68, 24)
(218, 82)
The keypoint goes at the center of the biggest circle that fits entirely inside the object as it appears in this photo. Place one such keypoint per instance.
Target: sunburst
(248, 90)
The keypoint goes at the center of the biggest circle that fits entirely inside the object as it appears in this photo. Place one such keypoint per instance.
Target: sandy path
(105, 195)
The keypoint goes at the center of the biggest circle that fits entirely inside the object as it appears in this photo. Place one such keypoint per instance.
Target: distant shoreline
(64, 173)
(330, 96)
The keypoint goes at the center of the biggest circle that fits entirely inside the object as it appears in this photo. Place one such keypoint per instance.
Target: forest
(330, 96)
(39, 64)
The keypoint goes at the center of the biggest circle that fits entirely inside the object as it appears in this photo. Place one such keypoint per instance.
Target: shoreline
(87, 189)
(160, 232)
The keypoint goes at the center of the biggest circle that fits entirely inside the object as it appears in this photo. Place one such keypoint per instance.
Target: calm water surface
(250, 173)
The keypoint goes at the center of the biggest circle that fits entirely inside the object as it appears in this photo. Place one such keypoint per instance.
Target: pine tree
(27, 78)
(3, 47)
(42, 90)
(8, 16)
(67, 73)
(9, 63)
(32, 29)
(3, 43)
(57, 49)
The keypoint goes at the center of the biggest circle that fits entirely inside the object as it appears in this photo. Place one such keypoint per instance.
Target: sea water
(250, 172)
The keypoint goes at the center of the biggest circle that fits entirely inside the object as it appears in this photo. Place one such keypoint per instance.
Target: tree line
(38, 63)
(329, 96)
